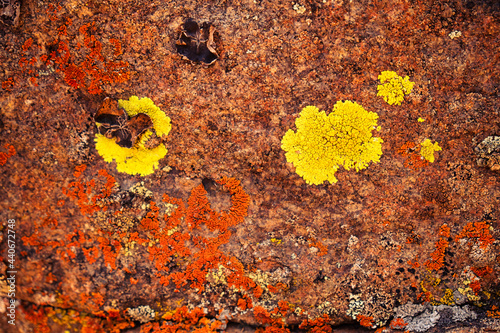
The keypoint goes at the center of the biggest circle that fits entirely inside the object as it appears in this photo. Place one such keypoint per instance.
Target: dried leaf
(113, 122)
(197, 43)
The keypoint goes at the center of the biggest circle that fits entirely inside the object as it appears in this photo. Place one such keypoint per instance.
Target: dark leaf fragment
(197, 43)
(113, 122)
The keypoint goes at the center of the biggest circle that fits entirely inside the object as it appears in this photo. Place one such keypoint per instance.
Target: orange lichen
(274, 320)
(245, 303)
(413, 264)
(482, 271)
(257, 291)
(475, 286)
(323, 250)
(93, 71)
(318, 325)
(493, 312)
(27, 44)
(8, 84)
(183, 320)
(479, 231)
(437, 257)
(33, 81)
(206, 255)
(117, 45)
(110, 250)
(49, 319)
(87, 196)
(4, 157)
(398, 324)
(36, 316)
(411, 152)
(262, 315)
(91, 254)
(365, 321)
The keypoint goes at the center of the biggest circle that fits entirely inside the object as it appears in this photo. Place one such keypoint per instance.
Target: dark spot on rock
(196, 42)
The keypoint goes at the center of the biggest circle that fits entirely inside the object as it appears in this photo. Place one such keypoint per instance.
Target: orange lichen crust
(45, 319)
(318, 325)
(8, 84)
(183, 320)
(494, 312)
(479, 231)
(273, 320)
(323, 250)
(365, 321)
(206, 256)
(87, 195)
(90, 197)
(98, 67)
(411, 152)
(437, 257)
(4, 157)
(398, 324)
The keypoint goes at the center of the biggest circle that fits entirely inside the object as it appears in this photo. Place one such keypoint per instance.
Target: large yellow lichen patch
(138, 159)
(323, 143)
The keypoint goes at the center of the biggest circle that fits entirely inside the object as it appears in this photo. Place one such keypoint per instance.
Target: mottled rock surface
(401, 240)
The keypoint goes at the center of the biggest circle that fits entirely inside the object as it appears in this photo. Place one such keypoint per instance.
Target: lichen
(135, 105)
(139, 159)
(393, 87)
(324, 142)
(428, 148)
(142, 313)
(4, 157)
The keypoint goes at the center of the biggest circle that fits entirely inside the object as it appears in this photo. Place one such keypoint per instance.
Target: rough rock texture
(92, 243)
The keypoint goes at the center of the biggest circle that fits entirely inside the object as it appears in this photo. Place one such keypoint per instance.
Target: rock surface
(403, 242)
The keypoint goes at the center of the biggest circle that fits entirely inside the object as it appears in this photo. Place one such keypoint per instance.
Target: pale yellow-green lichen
(428, 148)
(324, 142)
(138, 159)
(393, 87)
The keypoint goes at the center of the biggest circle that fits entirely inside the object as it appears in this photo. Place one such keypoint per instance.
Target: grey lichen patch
(327, 308)
(378, 303)
(421, 318)
(488, 152)
(356, 306)
(142, 314)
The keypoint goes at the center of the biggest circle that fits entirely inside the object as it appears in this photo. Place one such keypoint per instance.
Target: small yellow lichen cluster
(138, 159)
(324, 142)
(428, 148)
(393, 87)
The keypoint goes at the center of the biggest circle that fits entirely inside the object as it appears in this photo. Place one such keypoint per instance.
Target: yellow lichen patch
(324, 142)
(138, 159)
(428, 148)
(135, 105)
(393, 87)
(448, 297)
